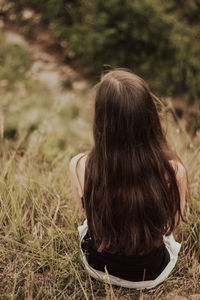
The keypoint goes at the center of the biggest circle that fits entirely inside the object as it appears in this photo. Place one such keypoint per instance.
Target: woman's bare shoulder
(77, 168)
(179, 169)
(78, 161)
(74, 161)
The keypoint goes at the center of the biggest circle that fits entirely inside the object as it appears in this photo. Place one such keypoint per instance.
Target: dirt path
(48, 69)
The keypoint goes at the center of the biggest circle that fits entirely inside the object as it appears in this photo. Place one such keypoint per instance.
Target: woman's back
(131, 193)
(130, 269)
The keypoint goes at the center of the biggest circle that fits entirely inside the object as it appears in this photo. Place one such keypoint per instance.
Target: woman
(131, 187)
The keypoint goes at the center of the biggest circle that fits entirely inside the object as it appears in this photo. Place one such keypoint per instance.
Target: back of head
(131, 194)
(125, 113)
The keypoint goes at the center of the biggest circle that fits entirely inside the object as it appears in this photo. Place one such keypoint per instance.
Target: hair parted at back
(131, 194)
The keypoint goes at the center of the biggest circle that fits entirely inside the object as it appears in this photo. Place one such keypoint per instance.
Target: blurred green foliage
(157, 39)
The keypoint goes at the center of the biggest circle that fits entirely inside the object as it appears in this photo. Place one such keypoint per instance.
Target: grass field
(39, 247)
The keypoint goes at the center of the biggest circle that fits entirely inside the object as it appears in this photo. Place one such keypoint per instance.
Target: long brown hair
(131, 194)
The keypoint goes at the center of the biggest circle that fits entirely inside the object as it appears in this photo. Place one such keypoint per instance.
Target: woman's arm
(77, 174)
(181, 178)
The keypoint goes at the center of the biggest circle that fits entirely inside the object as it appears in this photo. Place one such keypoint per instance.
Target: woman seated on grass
(131, 186)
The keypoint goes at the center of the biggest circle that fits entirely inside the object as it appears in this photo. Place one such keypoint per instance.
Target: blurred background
(67, 45)
(52, 52)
